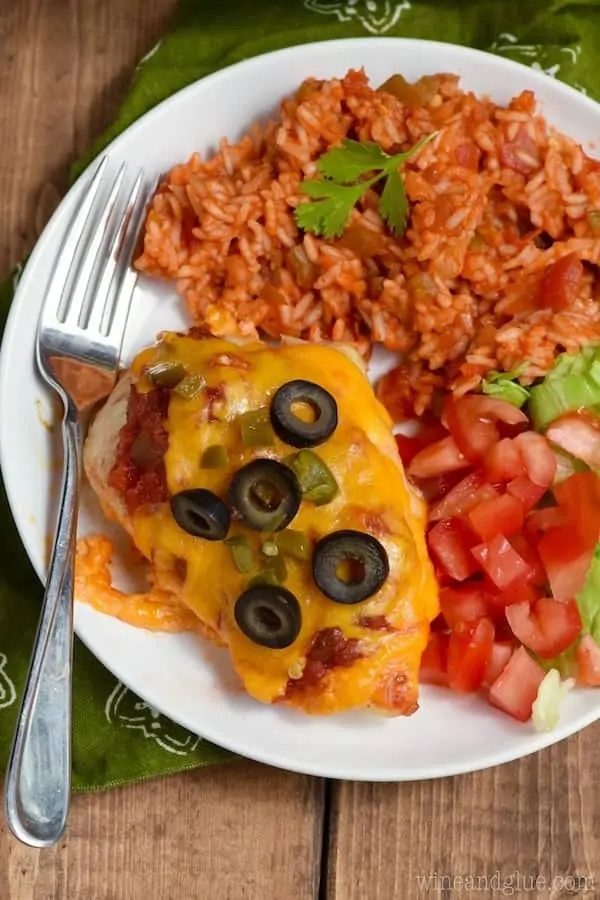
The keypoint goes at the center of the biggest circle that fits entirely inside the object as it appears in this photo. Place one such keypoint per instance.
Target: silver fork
(78, 348)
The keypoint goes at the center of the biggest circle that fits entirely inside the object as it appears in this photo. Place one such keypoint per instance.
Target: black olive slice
(265, 495)
(349, 566)
(291, 427)
(269, 616)
(201, 513)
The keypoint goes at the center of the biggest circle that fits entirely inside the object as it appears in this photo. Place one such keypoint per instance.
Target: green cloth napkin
(117, 737)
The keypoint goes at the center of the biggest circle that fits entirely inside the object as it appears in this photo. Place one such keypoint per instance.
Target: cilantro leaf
(351, 160)
(336, 198)
(327, 217)
(393, 206)
(402, 157)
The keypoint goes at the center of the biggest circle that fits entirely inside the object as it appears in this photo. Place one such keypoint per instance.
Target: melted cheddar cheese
(374, 497)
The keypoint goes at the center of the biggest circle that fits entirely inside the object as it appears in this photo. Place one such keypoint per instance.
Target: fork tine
(107, 285)
(126, 276)
(58, 280)
(82, 289)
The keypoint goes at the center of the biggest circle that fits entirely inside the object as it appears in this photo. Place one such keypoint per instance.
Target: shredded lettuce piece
(567, 465)
(565, 663)
(505, 386)
(545, 712)
(501, 386)
(595, 371)
(573, 383)
(588, 599)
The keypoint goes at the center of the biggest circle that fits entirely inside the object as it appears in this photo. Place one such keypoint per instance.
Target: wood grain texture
(532, 827)
(64, 65)
(237, 832)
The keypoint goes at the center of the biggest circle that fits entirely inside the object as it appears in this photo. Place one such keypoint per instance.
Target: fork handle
(38, 780)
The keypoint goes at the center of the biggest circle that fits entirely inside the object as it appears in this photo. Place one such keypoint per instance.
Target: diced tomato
(499, 515)
(437, 459)
(472, 420)
(450, 541)
(561, 283)
(503, 630)
(539, 460)
(408, 447)
(469, 652)
(520, 592)
(396, 393)
(503, 462)
(547, 626)
(523, 488)
(499, 657)
(480, 407)
(527, 548)
(539, 521)
(463, 497)
(579, 498)
(501, 562)
(520, 154)
(566, 559)
(434, 661)
(516, 688)
(433, 489)
(577, 487)
(578, 433)
(467, 156)
(465, 603)
(439, 623)
(588, 661)
(441, 576)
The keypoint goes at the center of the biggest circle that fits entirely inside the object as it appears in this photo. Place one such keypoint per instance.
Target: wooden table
(244, 831)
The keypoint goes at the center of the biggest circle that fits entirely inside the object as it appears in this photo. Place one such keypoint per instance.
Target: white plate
(186, 680)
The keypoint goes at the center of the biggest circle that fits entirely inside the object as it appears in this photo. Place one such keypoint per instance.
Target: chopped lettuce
(588, 599)
(546, 706)
(573, 383)
(566, 465)
(505, 386)
(565, 663)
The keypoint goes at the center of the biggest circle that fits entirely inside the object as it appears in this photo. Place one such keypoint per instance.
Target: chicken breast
(154, 445)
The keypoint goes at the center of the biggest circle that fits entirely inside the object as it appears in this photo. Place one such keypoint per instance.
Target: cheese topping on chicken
(153, 441)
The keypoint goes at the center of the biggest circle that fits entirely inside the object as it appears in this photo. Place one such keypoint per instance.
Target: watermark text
(512, 884)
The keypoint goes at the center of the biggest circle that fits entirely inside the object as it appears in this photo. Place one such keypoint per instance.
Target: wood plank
(64, 65)
(505, 827)
(227, 833)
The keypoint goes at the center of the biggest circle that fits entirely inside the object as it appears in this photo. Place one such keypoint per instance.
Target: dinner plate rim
(533, 77)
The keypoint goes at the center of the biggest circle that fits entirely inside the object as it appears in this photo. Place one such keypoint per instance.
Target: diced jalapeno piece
(191, 386)
(294, 543)
(166, 374)
(316, 480)
(278, 565)
(275, 572)
(214, 457)
(241, 551)
(267, 576)
(256, 430)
